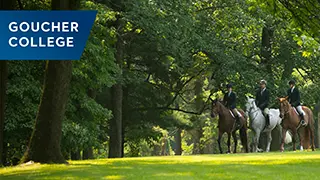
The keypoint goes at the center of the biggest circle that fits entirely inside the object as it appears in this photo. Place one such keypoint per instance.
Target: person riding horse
(293, 95)
(229, 101)
(262, 100)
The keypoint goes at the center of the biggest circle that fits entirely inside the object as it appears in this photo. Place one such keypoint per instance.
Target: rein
(251, 112)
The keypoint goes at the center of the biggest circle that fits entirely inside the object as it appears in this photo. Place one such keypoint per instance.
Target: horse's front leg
(234, 135)
(269, 136)
(229, 143)
(219, 141)
(256, 140)
(284, 131)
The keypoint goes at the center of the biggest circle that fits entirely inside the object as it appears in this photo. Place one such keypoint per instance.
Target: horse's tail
(244, 138)
(308, 133)
(288, 138)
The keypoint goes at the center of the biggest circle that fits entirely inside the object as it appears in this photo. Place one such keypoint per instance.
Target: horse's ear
(247, 97)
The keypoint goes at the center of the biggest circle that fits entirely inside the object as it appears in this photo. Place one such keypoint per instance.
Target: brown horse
(227, 125)
(291, 121)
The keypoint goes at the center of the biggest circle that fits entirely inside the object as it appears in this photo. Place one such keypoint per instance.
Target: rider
(230, 102)
(294, 100)
(262, 100)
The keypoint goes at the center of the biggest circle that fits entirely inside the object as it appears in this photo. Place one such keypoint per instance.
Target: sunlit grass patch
(113, 177)
(289, 165)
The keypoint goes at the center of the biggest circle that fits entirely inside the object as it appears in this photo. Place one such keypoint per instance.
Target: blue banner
(44, 35)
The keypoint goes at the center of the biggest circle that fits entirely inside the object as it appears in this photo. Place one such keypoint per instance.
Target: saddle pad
(295, 110)
(231, 113)
(239, 114)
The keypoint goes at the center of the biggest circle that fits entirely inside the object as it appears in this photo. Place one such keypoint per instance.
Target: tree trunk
(3, 88)
(197, 148)
(125, 116)
(4, 5)
(45, 140)
(177, 139)
(115, 142)
(317, 130)
(44, 146)
(75, 155)
(87, 153)
(266, 49)
(115, 133)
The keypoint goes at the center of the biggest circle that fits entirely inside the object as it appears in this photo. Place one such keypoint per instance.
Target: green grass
(289, 165)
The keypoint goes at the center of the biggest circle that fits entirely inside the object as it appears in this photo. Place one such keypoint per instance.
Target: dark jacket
(230, 101)
(262, 100)
(294, 97)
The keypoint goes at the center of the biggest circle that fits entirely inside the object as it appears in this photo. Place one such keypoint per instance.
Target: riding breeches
(266, 111)
(236, 112)
(300, 110)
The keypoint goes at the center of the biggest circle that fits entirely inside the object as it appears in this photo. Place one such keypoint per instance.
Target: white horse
(258, 123)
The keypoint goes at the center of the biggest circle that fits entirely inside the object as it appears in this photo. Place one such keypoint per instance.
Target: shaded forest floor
(289, 165)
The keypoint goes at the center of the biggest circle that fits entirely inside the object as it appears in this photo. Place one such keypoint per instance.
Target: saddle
(240, 115)
(297, 113)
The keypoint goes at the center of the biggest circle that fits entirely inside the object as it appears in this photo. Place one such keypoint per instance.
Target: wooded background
(143, 83)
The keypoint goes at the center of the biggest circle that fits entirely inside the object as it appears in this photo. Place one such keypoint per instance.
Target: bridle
(286, 112)
(251, 108)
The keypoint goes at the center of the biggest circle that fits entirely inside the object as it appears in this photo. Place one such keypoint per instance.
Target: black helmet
(292, 82)
(229, 85)
(263, 82)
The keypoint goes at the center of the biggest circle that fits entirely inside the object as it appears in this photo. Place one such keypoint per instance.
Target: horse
(226, 124)
(258, 122)
(291, 121)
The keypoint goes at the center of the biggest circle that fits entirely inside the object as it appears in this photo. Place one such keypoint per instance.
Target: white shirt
(263, 90)
(292, 89)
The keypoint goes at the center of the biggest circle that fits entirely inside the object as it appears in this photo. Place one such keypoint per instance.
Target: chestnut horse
(291, 121)
(226, 124)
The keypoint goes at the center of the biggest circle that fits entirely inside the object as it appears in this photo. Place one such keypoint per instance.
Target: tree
(115, 142)
(45, 140)
(4, 5)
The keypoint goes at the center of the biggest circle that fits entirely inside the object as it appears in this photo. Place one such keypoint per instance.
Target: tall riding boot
(267, 120)
(302, 121)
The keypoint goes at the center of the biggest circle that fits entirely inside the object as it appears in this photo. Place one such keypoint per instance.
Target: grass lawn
(289, 165)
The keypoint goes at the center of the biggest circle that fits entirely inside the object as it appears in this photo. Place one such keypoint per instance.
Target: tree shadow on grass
(155, 169)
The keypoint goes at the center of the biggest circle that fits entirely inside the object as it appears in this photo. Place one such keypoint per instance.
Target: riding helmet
(229, 85)
(263, 82)
(292, 82)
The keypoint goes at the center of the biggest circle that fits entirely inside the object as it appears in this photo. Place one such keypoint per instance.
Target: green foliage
(176, 55)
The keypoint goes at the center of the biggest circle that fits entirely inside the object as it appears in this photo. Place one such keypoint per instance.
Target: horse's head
(284, 106)
(250, 105)
(215, 108)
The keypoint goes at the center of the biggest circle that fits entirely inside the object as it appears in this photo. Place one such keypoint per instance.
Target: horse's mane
(220, 102)
(284, 100)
